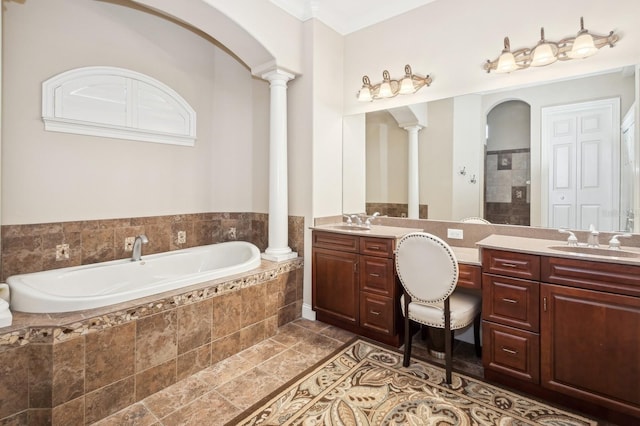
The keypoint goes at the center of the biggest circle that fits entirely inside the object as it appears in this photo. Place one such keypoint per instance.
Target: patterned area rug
(365, 384)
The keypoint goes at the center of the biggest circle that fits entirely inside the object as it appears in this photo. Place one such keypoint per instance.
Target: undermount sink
(346, 227)
(581, 250)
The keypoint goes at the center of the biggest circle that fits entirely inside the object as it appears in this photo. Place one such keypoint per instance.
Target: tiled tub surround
(68, 369)
(32, 248)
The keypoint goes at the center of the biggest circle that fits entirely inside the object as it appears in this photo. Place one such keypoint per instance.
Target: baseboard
(308, 313)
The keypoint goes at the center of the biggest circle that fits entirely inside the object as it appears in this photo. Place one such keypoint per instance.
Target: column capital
(414, 127)
(277, 74)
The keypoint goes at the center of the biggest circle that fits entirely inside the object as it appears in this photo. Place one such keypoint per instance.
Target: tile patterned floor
(217, 394)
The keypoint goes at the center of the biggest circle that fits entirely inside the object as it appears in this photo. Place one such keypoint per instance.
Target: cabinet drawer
(609, 277)
(335, 241)
(512, 264)
(377, 246)
(376, 313)
(469, 276)
(376, 275)
(511, 351)
(511, 301)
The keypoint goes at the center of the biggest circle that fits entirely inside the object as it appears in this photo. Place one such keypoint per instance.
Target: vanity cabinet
(510, 314)
(354, 285)
(565, 329)
(590, 332)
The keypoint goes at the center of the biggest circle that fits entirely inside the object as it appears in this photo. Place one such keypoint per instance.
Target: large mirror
(506, 156)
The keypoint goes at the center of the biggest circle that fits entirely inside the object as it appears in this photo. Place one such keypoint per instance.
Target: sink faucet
(137, 247)
(592, 241)
(572, 241)
(370, 218)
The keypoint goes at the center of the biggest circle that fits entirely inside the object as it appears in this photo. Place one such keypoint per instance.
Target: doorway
(508, 164)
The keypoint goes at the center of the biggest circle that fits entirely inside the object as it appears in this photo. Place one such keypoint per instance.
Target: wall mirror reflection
(559, 154)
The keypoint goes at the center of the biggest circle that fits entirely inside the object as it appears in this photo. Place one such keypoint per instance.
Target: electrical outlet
(182, 237)
(128, 243)
(456, 234)
(62, 252)
(232, 233)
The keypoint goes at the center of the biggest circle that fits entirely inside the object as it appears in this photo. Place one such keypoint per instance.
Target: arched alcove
(508, 164)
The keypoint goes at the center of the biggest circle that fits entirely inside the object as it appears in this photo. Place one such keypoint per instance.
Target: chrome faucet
(137, 247)
(592, 241)
(370, 218)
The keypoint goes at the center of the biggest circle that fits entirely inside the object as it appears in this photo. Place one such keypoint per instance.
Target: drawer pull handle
(510, 351)
(375, 313)
(374, 247)
(504, 299)
(509, 265)
(374, 275)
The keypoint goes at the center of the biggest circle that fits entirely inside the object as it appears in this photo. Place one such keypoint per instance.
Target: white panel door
(581, 145)
(627, 169)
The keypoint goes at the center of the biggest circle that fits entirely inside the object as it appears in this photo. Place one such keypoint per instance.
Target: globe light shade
(543, 54)
(506, 63)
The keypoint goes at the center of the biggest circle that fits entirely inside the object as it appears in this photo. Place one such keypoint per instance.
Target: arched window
(117, 103)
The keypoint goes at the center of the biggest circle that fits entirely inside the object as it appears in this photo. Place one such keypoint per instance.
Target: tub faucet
(137, 247)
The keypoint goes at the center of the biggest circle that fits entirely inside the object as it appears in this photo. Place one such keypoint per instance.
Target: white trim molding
(117, 103)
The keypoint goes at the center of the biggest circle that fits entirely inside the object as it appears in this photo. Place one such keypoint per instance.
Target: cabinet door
(335, 285)
(590, 347)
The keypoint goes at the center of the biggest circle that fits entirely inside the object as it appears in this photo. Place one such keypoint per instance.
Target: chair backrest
(475, 220)
(426, 266)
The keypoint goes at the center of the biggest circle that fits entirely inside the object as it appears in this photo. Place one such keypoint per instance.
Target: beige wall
(51, 176)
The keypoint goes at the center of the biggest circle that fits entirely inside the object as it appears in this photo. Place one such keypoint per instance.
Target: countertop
(380, 231)
(468, 255)
(627, 255)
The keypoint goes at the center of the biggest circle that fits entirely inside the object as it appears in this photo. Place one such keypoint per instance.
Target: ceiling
(347, 16)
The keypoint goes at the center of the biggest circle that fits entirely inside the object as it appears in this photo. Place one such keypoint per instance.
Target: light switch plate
(455, 234)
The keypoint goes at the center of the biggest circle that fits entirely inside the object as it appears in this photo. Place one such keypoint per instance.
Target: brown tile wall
(83, 379)
(396, 209)
(32, 248)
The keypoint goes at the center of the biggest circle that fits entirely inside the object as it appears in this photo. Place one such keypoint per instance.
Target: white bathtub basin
(101, 284)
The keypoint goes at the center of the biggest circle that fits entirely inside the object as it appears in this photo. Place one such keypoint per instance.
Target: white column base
(308, 313)
(279, 256)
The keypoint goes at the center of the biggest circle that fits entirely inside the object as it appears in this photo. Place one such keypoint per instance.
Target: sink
(351, 227)
(580, 250)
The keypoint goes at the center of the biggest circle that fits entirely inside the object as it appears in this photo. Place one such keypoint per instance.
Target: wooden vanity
(564, 328)
(354, 284)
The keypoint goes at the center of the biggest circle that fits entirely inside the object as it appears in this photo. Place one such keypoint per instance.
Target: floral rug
(364, 384)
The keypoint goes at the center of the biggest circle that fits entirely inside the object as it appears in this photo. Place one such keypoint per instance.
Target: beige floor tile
(136, 414)
(250, 388)
(168, 400)
(262, 351)
(211, 410)
(224, 371)
(288, 364)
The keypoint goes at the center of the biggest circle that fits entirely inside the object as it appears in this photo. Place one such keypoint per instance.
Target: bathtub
(101, 284)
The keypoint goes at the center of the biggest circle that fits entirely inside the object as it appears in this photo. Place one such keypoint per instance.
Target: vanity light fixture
(389, 88)
(546, 52)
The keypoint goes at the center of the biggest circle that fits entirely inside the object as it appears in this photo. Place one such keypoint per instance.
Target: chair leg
(407, 341)
(447, 341)
(476, 335)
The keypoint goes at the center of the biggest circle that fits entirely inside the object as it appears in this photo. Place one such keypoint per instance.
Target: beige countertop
(468, 255)
(375, 230)
(627, 255)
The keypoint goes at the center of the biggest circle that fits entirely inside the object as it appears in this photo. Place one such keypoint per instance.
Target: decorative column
(278, 249)
(413, 176)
